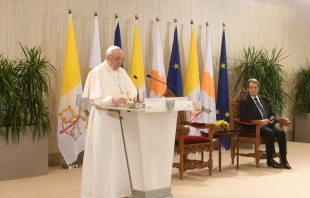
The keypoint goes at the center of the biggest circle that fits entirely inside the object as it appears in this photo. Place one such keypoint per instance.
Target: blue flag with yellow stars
(174, 79)
(222, 100)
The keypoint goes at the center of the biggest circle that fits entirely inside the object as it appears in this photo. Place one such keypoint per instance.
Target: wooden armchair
(186, 144)
(249, 138)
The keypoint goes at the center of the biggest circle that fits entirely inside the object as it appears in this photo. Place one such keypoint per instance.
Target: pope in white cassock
(105, 172)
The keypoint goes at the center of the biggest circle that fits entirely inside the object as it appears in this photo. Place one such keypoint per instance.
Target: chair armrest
(283, 121)
(202, 125)
(260, 123)
(182, 130)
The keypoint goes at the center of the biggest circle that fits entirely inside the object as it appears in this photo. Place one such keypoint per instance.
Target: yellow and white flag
(157, 89)
(137, 68)
(192, 82)
(95, 54)
(207, 93)
(71, 115)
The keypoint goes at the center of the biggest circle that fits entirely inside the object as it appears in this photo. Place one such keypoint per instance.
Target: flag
(117, 36)
(71, 119)
(157, 89)
(94, 60)
(174, 79)
(222, 102)
(192, 82)
(137, 68)
(207, 93)
(95, 54)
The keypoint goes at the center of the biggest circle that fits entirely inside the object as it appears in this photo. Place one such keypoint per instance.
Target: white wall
(262, 23)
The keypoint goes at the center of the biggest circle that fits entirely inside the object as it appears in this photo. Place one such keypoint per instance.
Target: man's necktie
(261, 108)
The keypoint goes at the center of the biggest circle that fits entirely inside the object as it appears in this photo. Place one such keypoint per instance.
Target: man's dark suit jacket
(249, 110)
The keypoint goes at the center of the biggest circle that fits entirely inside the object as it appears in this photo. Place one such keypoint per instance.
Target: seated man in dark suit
(257, 107)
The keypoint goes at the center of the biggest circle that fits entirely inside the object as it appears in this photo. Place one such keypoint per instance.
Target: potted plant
(301, 106)
(267, 69)
(24, 113)
(10, 121)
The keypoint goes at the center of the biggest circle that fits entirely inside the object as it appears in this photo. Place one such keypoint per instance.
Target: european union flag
(222, 100)
(174, 79)
(117, 37)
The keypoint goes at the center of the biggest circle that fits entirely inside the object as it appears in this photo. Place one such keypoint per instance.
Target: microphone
(176, 90)
(135, 77)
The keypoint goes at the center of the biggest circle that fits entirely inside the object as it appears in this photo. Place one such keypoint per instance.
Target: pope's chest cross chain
(117, 83)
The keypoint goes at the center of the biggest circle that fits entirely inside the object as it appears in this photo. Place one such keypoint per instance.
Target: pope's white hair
(112, 48)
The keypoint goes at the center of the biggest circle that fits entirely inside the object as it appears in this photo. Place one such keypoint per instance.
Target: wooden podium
(149, 134)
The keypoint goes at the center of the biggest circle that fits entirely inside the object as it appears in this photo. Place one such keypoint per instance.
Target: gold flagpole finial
(116, 16)
(207, 24)
(175, 20)
(95, 13)
(192, 22)
(70, 11)
(223, 24)
(157, 19)
(136, 16)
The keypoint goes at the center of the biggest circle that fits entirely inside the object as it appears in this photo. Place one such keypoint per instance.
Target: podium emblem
(170, 105)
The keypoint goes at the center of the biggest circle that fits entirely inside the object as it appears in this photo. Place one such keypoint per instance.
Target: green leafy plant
(302, 91)
(267, 69)
(25, 87)
(10, 110)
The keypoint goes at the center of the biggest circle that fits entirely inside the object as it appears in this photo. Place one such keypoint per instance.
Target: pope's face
(115, 59)
(253, 89)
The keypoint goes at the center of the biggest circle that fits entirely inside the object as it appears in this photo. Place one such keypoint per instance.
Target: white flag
(157, 89)
(207, 93)
(95, 54)
(71, 130)
(95, 58)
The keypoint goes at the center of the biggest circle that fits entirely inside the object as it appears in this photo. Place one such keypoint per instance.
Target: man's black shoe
(286, 165)
(273, 164)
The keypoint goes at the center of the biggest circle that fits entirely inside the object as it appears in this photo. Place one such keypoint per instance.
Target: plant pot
(27, 158)
(302, 128)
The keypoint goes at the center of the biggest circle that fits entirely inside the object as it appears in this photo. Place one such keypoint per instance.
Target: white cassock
(104, 173)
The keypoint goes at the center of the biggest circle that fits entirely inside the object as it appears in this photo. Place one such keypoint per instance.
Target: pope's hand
(119, 100)
(134, 99)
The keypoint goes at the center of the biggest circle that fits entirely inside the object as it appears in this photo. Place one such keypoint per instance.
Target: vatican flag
(137, 68)
(71, 115)
(192, 83)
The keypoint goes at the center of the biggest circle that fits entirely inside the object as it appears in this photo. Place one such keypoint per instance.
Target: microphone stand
(176, 90)
(135, 77)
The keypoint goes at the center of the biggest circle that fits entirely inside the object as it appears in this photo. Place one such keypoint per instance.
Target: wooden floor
(246, 182)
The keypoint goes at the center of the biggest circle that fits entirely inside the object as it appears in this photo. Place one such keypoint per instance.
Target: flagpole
(116, 19)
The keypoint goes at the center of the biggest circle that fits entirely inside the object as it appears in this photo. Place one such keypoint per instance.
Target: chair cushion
(188, 139)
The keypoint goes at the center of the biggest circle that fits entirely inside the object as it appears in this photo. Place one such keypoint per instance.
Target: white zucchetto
(112, 48)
